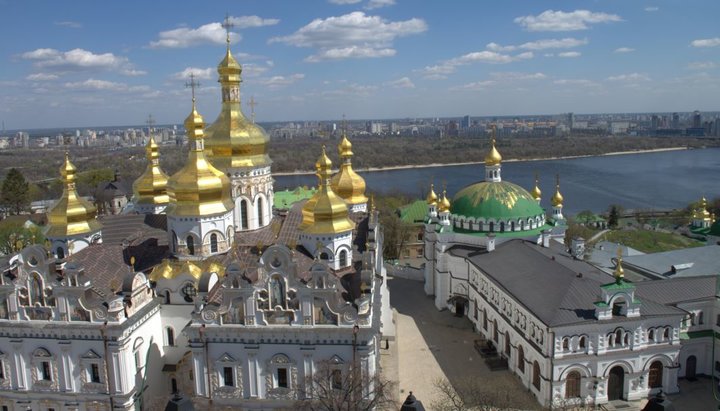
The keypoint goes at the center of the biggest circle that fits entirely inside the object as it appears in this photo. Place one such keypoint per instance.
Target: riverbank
(511, 160)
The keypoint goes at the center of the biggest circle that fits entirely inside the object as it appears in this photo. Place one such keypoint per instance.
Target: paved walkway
(434, 345)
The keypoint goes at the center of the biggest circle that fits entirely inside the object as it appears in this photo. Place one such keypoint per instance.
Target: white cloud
(103, 85)
(624, 50)
(350, 52)
(344, 1)
(569, 54)
(211, 33)
(651, 8)
(516, 76)
(244, 22)
(199, 73)
(630, 77)
(440, 71)
(68, 24)
(576, 82)
(565, 43)
(702, 65)
(551, 20)
(376, 4)
(80, 59)
(41, 77)
(353, 35)
(474, 86)
(354, 90)
(276, 82)
(254, 70)
(713, 42)
(404, 82)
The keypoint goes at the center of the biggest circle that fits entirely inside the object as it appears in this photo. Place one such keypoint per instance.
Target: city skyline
(74, 67)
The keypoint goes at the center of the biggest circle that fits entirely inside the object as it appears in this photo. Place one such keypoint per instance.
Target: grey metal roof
(696, 261)
(676, 290)
(547, 282)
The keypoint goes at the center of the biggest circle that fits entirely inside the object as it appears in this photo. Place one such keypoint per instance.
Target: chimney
(546, 238)
(491, 242)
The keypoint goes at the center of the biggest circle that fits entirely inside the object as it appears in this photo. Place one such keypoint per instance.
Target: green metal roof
(415, 212)
(499, 200)
(285, 199)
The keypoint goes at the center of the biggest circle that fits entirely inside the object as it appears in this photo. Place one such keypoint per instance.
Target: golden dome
(347, 183)
(171, 269)
(703, 212)
(432, 198)
(198, 189)
(233, 141)
(325, 212)
(557, 198)
(493, 158)
(151, 186)
(444, 203)
(536, 193)
(619, 272)
(71, 214)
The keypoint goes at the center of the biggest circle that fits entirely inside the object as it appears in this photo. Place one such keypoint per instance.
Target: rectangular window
(717, 321)
(337, 379)
(282, 380)
(2, 370)
(228, 377)
(94, 373)
(190, 375)
(45, 371)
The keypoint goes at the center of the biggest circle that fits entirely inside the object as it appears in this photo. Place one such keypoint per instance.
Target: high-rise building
(571, 120)
(465, 123)
(697, 119)
(675, 120)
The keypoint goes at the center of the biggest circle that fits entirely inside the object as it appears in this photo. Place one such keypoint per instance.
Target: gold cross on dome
(227, 25)
(150, 122)
(193, 85)
(252, 103)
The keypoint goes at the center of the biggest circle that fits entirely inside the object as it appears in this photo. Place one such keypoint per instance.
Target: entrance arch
(691, 367)
(616, 383)
(655, 375)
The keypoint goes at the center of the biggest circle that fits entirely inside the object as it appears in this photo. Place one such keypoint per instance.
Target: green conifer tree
(15, 196)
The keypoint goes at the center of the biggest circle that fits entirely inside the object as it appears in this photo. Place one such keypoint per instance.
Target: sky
(91, 63)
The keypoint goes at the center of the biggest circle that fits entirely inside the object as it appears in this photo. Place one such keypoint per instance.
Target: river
(660, 180)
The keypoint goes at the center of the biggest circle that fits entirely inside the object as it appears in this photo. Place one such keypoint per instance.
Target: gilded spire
(71, 214)
(234, 141)
(347, 183)
(536, 193)
(432, 198)
(198, 189)
(325, 212)
(557, 198)
(151, 187)
(444, 203)
(619, 273)
(493, 158)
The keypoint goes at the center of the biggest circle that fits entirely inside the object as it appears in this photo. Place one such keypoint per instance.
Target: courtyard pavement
(433, 345)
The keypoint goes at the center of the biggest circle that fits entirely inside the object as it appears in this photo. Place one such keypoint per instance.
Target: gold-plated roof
(536, 193)
(325, 212)
(444, 203)
(347, 183)
(198, 189)
(233, 141)
(151, 186)
(432, 198)
(619, 272)
(702, 210)
(71, 214)
(171, 269)
(493, 157)
(557, 198)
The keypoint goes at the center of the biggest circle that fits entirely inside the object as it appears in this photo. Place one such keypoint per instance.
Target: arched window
(343, 258)
(36, 290)
(521, 359)
(324, 256)
(536, 375)
(572, 385)
(512, 226)
(626, 339)
(260, 211)
(170, 336)
(502, 226)
(565, 344)
(495, 331)
(666, 335)
(655, 375)
(60, 253)
(651, 336)
(618, 337)
(243, 215)
(167, 296)
(581, 343)
(190, 242)
(492, 226)
(485, 320)
(507, 344)
(213, 243)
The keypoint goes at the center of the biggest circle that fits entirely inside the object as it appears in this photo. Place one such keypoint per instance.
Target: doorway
(459, 308)
(690, 367)
(616, 383)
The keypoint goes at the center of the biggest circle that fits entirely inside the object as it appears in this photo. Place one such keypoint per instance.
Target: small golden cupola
(536, 193)
(557, 202)
(71, 220)
(233, 141)
(198, 189)
(347, 183)
(493, 157)
(444, 205)
(326, 230)
(432, 198)
(150, 189)
(329, 212)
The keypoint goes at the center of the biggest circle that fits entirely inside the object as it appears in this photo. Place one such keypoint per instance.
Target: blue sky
(91, 63)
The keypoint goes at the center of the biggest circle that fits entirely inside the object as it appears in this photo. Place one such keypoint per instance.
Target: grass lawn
(651, 241)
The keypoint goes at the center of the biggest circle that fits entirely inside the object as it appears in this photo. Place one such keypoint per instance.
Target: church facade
(202, 293)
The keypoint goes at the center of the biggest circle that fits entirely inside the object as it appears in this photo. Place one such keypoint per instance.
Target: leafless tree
(471, 395)
(339, 387)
